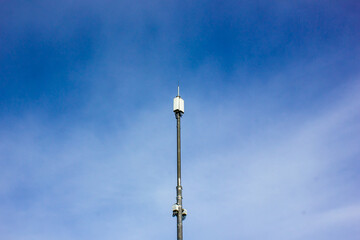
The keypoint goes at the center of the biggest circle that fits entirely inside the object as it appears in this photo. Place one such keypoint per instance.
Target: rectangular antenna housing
(178, 104)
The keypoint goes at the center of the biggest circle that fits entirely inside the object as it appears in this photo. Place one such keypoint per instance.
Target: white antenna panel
(178, 104)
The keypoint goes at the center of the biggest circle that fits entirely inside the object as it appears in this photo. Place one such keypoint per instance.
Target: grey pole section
(179, 187)
(177, 208)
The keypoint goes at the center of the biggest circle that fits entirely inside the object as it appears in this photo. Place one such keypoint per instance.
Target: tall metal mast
(178, 210)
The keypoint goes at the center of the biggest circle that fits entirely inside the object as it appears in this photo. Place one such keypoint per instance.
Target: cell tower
(177, 208)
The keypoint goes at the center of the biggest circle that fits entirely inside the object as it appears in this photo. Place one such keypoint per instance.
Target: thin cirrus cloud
(296, 182)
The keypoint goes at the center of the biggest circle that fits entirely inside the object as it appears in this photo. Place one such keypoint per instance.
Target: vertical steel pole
(179, 187)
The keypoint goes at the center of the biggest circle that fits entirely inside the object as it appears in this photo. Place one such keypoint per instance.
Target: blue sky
(270, 135)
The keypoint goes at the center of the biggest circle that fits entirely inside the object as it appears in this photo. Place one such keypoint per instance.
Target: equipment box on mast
(178, 104)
